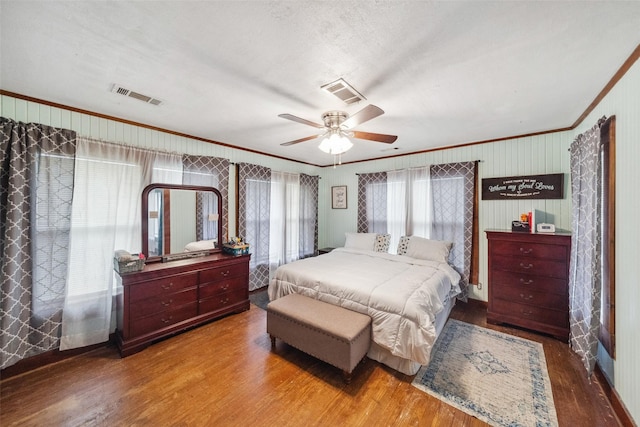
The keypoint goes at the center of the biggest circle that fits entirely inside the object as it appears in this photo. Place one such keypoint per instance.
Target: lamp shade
(335, 144)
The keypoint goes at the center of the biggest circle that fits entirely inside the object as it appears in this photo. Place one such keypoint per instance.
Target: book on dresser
(529, 281)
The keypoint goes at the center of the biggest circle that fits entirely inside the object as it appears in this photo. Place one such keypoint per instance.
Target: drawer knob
(526, 297)
(526, 251)
(167, 287)
(526, 267)
(166, 303)
(224, 301)
(526, 282)
(224, 273)
(167, 320)
(526, 313)
(225, 286)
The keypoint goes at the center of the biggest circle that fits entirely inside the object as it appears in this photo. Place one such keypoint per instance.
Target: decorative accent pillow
(362, 241)
(382, 242)
(433, 250)
(403, 244)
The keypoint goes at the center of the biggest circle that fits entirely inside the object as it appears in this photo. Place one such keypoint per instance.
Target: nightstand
(324, 250)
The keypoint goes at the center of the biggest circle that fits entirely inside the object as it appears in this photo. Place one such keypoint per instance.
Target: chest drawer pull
(224, 301)
(526, 297)
(166, 303)
(225, 287)
(526, 267)
(167, 320)
(224, 273)
(526, 282)
(167, 287)
(526, 312)
(526, 251)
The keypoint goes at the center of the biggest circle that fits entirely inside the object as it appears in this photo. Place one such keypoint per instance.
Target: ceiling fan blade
(378, 137)
(299, 120)
(367, 113)
(308, 138)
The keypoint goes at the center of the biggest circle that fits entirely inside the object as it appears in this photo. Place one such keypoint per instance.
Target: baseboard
(49, 357)
(612, 396)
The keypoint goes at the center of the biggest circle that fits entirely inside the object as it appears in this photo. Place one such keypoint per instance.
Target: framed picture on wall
(339, 197)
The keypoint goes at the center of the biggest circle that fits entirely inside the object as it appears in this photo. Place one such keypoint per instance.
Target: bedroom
(545, 153)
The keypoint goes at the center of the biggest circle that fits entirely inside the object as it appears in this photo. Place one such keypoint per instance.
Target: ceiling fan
(337, 125)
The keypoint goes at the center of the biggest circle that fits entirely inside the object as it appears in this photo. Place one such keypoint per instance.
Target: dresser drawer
(164, 286)
(536, 250)
(535, 266)
(163, 319)
(163, 302)
(222, 273)
(222, 301)
(524, 295)
(530, 313)
(528, 281)
(216, 288)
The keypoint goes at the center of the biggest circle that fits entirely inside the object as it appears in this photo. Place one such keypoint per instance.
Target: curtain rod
(417, 167)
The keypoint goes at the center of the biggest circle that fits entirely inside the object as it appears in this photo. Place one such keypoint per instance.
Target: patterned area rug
(495, 377)
(259, 298)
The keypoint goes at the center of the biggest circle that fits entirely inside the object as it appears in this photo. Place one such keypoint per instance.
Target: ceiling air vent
(344, 91)
(126, 92)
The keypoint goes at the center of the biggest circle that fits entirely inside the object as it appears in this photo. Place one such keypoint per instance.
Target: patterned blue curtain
(372, 202)
(209, 172)
(585, 274)
(308, 215)
(254, 200)
(453, 186)
(36, 187)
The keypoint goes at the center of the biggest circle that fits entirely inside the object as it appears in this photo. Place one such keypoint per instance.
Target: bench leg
(346, 377)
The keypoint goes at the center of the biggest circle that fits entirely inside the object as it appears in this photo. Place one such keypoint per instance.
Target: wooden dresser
(166, 298)
(529, 281)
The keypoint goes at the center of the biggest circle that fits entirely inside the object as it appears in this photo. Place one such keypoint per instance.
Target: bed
(408, 299)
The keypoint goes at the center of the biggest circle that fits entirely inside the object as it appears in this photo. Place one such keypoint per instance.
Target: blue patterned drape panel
(209, 172)
(372, 203)
(254, 200)
(453, 187)
(585, 278)
(36, 187)
(308, 215)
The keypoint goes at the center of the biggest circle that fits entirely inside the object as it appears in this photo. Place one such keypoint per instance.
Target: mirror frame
(145, 214)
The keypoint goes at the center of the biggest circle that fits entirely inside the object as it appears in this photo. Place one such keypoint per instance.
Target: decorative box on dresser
(529, 280)
(166, 298)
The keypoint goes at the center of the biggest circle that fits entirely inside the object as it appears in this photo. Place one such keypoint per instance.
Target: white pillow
(433, 250)
(362, 241)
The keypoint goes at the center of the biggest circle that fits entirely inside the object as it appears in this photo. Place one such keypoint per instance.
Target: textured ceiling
(445, 73)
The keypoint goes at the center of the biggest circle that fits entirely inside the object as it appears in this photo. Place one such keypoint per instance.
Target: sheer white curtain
(285, 219)
(108, 182)
(409, 204)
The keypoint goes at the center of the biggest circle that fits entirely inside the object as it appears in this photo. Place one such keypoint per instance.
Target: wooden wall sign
(549, 186)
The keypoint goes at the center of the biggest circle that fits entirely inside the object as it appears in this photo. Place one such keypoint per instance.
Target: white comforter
(402, 295)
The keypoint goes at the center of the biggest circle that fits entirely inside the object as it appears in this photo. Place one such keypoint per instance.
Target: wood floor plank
(225, 373)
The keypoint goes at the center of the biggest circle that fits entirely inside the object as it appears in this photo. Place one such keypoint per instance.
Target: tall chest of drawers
(529, 281)
(164, 299)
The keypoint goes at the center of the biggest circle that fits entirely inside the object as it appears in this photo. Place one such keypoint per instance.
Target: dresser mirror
(180, 221)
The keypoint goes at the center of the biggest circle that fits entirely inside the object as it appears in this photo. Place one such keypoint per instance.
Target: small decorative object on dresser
(529, 281)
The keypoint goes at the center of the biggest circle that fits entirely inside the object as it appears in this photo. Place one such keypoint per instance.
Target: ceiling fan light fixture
(335, 144)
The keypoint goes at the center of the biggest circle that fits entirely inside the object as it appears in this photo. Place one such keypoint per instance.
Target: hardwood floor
(224, 373)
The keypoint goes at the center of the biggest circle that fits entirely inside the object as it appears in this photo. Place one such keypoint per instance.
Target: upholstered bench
(330, 333)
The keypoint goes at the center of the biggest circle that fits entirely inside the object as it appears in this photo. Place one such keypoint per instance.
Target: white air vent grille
(344, 91)
(126, 92)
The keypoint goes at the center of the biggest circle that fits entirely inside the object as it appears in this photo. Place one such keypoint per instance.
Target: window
(607, 233)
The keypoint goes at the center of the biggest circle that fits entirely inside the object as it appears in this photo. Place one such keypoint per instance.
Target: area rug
(497, 378)
(260, 298)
